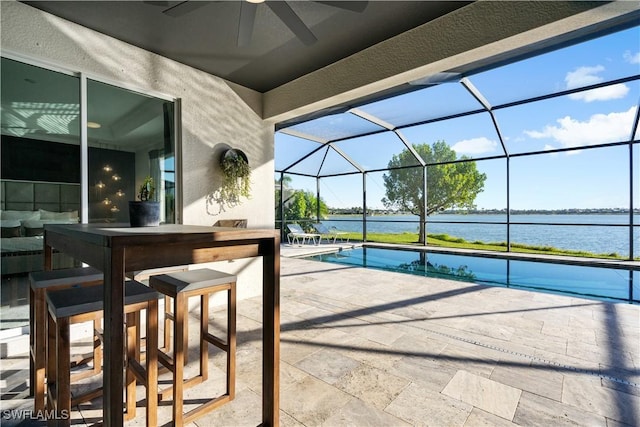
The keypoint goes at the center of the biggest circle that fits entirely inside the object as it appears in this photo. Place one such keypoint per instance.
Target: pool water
(602, 283)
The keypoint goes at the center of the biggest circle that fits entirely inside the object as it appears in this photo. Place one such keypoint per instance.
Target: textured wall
(213, 115)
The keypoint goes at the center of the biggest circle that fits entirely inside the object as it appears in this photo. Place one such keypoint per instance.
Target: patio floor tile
(587, 393)
(312, 401)
(490, 396)
(534, 411)
(359, 413)
(425, 408)
(372, 385)
(533, 378)
(327, 365)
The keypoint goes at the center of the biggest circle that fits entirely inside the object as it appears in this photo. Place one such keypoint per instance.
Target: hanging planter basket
(233, 156)
(237, 174)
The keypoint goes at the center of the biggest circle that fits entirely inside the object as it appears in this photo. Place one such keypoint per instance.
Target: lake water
(612, 236)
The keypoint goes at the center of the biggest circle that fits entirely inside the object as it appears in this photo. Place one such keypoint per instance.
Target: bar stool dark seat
(40, 282)
(180, 286)
(69, 306)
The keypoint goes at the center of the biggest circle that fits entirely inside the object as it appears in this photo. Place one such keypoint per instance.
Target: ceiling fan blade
(247, 20)
(293, 21)
(183, 8)
(353, 6)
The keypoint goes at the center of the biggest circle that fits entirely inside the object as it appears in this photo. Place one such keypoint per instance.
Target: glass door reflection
(130, 137)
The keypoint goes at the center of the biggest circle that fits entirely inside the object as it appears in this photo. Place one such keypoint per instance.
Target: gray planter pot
(144, 214)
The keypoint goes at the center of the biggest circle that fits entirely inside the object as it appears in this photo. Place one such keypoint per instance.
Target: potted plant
(237, 174)
(145, 212)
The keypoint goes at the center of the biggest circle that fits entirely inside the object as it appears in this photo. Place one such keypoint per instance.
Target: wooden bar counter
(117, 248)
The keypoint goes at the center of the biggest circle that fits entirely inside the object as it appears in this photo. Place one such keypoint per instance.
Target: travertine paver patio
(366, 347)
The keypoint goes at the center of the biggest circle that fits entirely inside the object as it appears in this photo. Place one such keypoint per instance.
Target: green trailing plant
(237, 174)
(147, 190)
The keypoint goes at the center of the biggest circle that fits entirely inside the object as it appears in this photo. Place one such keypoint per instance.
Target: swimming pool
(602, 283)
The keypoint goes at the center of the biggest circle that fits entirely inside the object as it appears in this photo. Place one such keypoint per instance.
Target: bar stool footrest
(87, 396)
(206, 408)
(165, 360)
(77, 376)
(167, 393)
(214, 340)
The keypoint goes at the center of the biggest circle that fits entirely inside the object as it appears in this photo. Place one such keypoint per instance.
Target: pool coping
(302, 251)
(519, 256)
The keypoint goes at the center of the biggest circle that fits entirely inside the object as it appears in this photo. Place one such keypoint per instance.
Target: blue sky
(595, 178)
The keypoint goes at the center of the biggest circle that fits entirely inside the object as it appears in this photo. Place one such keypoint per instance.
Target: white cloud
(475, 146)
(585, 76)
(598, 129)
(631, 58)
(606, 93)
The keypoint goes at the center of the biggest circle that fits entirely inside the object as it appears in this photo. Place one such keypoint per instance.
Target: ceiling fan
(248, 15)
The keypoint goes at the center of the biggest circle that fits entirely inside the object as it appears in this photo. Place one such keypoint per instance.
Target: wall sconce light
(106, 201)
(116, 177)
(107, 168)
(119, 193)
(114, 209)
(100, 184)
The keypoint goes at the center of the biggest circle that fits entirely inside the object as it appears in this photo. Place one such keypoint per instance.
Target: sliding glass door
(54, 171)
(130, 136)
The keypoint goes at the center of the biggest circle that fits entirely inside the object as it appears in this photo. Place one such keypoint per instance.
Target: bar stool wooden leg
(168, 318)
(149, 375)
(38, 309)
(152, 363)
(204, 330)
(51, 359)
(138, 333)
(32, 334)
(231, 342)
(180, 345)
(97, 347)
(130, 386)
(62, 393)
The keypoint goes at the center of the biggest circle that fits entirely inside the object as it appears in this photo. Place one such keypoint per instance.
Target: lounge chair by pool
(330, 233)
(296, 233)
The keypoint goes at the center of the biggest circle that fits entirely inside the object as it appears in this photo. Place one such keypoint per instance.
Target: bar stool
(40, 282)
(144, 276)
(180, 286)
(69, 306)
